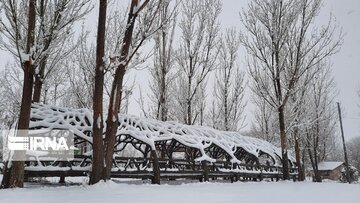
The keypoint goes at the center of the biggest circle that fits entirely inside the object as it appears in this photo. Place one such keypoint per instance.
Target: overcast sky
(346, 64)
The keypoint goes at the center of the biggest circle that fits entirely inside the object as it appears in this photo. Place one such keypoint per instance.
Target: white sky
(346, 64)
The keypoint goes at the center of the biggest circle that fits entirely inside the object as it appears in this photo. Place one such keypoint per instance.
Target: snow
(47, 168)
(249, 192)
(98, 122)
(150, 131)
(328, 165)
(52, 117)
(136, 9)
(24, 56)
(205, 158)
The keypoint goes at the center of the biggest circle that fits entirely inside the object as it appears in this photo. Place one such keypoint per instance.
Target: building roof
(329, 165)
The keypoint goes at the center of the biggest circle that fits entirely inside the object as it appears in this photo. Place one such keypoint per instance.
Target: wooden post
(156, 168)
(344, 146)
(62, 179)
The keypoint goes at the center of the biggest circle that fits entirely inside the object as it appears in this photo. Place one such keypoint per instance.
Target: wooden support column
(261, 172)
(205, 170)
(62, 179)
(156, 168)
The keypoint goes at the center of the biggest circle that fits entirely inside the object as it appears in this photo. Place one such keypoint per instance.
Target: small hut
(331, 169)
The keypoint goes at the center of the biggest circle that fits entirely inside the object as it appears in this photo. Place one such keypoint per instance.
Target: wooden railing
(143, 168)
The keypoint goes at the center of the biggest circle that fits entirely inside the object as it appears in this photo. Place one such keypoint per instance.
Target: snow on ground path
(251, 192)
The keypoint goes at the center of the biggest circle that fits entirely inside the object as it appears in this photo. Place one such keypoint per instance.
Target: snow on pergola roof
(151, 131)
(199, 137)
(46, 116)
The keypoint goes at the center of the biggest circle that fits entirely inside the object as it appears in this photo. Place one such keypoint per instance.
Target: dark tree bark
(98, 146)
(313, 156)
(189, 115)
(317, 177)
(314, 164)
(156, 168)
(205, 170)
(298, 156)
(163, 100)
(39, 82)
(16, 172)
(283, 140)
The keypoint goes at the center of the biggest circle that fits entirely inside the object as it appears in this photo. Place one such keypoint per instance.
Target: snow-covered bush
(354, 174)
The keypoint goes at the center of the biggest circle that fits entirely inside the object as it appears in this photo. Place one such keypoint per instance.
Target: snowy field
(116, 191)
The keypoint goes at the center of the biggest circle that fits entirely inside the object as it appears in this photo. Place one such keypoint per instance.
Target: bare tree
(55, 28)
(353, 147)
(265, 124)
(197, 53)
(46, 25)
(162, 74)
(230, 85)
(120, 65)
(52, 33)
(321, 113)
(80, 74)
(81, 65)
(10, 89)
(284, 44)
(201, 103)
(53, 89)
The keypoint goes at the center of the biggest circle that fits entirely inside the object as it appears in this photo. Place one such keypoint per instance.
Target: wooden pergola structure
(163, 150)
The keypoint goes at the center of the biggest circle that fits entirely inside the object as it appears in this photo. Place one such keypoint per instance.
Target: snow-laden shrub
(354, 174)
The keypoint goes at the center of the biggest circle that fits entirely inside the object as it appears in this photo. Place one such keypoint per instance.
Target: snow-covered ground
(120, 191)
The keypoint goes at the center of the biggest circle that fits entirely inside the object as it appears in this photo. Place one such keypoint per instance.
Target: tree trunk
(39, 82)
(314, 164)
(205, 170)
(188, 102)
(226, 111)
(39, 77)
(163, 86)
(163, 110)
(317, 177)
(283, 139)
(16, 172)
(98, 126)
(112, 120)
(116, 92)
(298, 156)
